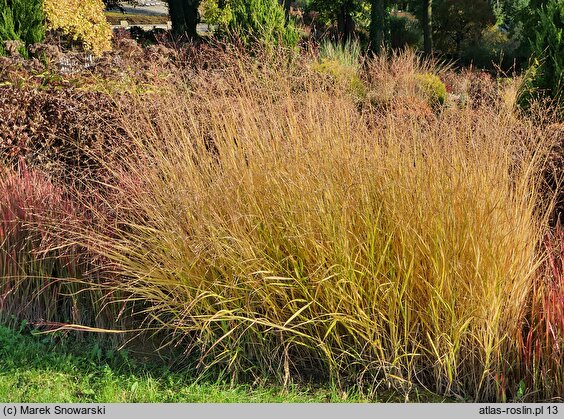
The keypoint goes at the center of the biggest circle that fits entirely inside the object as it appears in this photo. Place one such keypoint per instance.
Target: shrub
(342, 74)
(54, 128)
(545, 76)
(405, 32)
(214, 15)
(343, 63)
(493, 47)
(432, 88)
(82, 21)
(262, 21)
(21, 20)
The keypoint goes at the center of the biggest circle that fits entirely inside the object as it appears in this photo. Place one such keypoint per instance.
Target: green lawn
(115, 18)
(40, 369)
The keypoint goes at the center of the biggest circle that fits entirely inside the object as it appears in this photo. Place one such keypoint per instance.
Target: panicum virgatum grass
(272, 225)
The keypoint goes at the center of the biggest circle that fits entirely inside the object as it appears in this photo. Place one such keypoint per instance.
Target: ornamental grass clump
(273, 228)
(403, 81)
(543, 337)
(43, 280)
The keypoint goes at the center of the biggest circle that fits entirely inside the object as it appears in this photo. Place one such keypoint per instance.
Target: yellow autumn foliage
(82, 21)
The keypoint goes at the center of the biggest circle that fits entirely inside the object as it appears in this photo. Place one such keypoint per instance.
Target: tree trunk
(345, 23)
(428, 27)
(377, 26)
(184, 17)
(286, 5)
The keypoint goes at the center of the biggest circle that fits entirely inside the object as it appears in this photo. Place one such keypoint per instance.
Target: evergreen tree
(546, 74)
(21, 20)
